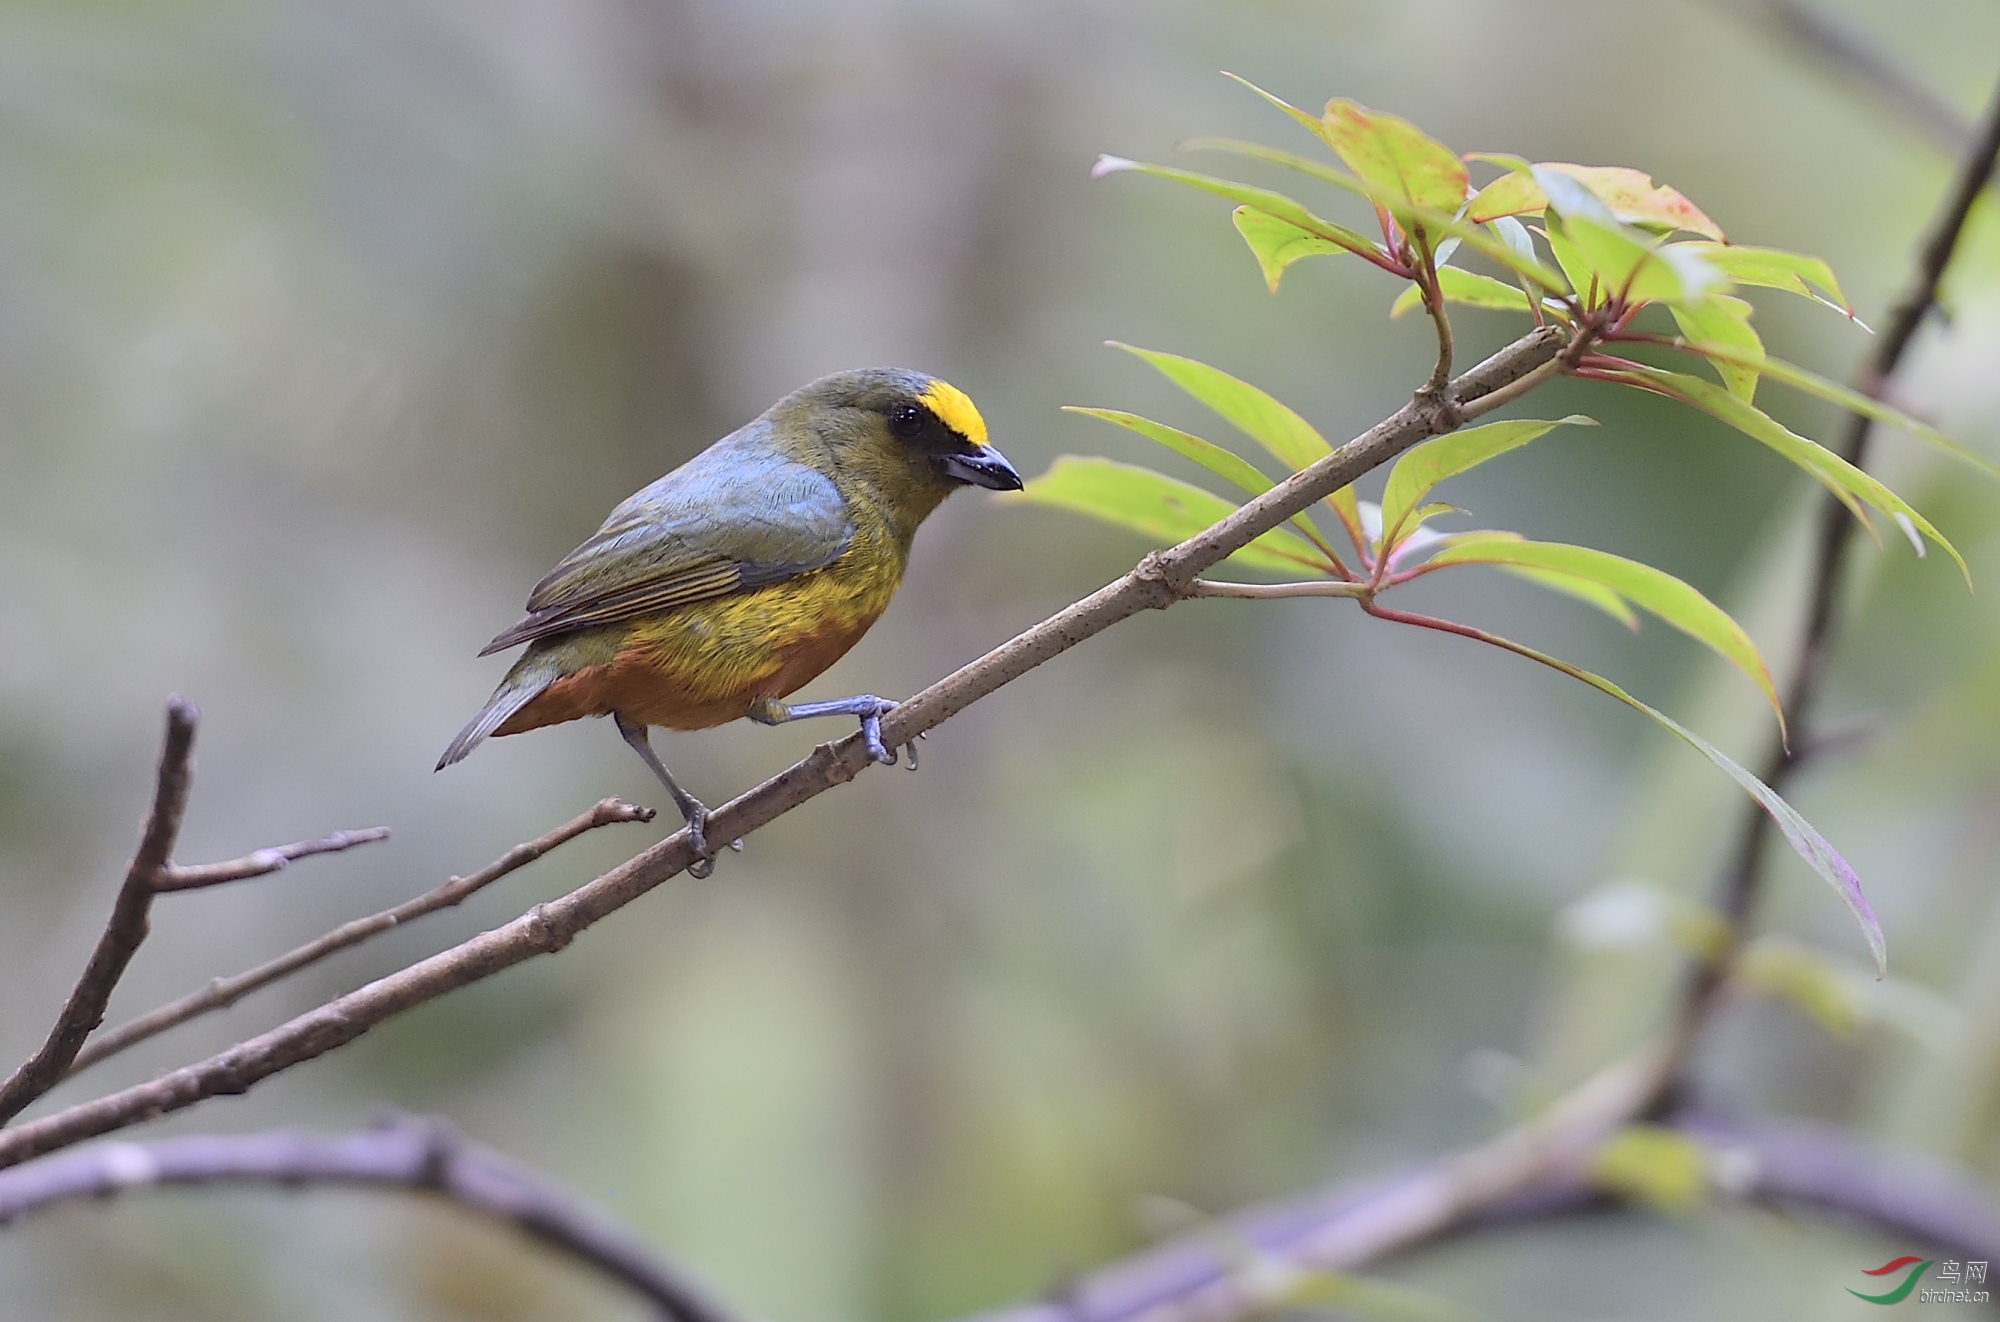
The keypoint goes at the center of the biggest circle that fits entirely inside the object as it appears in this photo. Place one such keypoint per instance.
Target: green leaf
(1854, 401)
(1774, 268)
(1312, 123)
(1163, 509)
(1650, 1164)
(1850, 485)
(1650, 589)
(1263, 419)
(1630, 195)
(1636, 269)
(1437, 223)
(1457, 286)
(1800, 834)
(1278, 243)
(1260, 199)
(1399, 160)
(1225, 464)
(1424, 466)
(1583, 589)
(1718, 327)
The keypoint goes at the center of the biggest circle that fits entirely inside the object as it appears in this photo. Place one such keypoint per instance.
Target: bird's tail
(515, 692)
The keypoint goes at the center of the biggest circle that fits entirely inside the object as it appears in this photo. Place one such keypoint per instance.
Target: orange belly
(646, 686)
(705, 663)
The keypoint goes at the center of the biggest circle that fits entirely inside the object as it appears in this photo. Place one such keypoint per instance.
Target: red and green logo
(1915, 1269)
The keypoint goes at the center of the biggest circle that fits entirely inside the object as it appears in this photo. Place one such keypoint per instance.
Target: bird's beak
(984, 467)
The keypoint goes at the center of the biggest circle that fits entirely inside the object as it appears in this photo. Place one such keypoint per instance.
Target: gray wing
(735, 517)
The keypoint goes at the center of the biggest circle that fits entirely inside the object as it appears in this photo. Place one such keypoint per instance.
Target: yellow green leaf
(1628, 264)
(1718, 327)
(1424, 466)
(1805, 840)
(1630, 195)
(1260, 199)
(1276, 243)
(1467, 287)
(1774, 268)
(1225, 464)
(1403, 163)
(1652, 590)
(1263, 419)
(1850, 485)
(1162, 509)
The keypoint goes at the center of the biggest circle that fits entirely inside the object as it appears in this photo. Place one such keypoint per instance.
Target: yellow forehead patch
(955, 410)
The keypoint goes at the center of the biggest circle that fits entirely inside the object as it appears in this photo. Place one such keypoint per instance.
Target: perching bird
(741, 575)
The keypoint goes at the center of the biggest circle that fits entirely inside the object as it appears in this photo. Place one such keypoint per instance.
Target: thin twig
(1208, 587)
(1743, 878)
(125, 930)
(407, 1156)
(225, 992)
(264, 861)
(1160, 580)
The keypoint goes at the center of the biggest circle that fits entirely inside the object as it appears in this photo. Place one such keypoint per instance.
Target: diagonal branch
(1743, 879)
(1161, 579)
(152, 872)
(407, 1156)
(222, 993)
(128, 924)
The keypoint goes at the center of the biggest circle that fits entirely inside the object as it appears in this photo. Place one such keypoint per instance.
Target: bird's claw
(697, 821)
(910, 748)
(871, 733)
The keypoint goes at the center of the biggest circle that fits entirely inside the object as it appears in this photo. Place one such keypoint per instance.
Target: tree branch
(126, 930)
(406, 1156)
(1159, 580)
(151, 873)
(222, 993)
(1742, 880)
(264, 861)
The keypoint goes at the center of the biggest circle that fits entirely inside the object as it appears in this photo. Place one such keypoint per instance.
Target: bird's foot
(871, 728)
(696, 817)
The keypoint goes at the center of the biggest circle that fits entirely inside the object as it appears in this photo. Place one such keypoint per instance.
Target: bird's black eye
(907, 421)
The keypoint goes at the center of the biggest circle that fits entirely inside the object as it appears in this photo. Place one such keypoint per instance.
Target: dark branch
(222, 993)
(408, 1156)
(127, 927)
(1743, 878)
(1160, 580)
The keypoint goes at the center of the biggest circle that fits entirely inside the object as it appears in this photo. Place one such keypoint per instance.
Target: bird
(737, 578)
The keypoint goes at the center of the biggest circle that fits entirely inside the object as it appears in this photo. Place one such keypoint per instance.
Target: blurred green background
(328, 328)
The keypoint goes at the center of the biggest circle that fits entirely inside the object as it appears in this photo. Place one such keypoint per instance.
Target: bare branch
(406, 1156)
(264, 861)
(1743, 879)
(222, 993)
(127, 927)
(1159, 580)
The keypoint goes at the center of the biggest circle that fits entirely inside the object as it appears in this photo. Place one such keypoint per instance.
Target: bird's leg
(869, 708)
(691, 808)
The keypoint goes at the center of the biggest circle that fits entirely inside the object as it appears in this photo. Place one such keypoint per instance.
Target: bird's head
(913, 438)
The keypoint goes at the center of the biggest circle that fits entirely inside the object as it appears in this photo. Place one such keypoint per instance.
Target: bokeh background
(327, 328)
